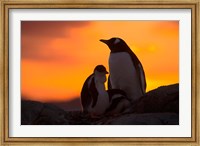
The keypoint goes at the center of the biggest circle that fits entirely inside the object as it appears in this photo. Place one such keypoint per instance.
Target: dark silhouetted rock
(142, 119)
(160, 100)
(36, 113)
(157, 107)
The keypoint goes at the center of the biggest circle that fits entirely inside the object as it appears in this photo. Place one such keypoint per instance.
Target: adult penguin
(126, 71)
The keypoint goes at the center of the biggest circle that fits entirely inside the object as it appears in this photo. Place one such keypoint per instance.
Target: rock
(143, 119)
(29, 111)
(36, 113)
(160, 100)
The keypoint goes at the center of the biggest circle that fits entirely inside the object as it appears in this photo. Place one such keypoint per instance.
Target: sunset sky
(58, 56)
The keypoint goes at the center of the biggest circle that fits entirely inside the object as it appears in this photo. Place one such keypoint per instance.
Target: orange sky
(57, 56)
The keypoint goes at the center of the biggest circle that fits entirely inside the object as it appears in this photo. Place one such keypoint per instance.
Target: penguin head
(116, 44)
(100, 73)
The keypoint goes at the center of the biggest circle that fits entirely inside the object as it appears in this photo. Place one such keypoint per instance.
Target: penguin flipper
(109, 83)
(142, 78)
(140, 71)
(85, 95)
(93, 93)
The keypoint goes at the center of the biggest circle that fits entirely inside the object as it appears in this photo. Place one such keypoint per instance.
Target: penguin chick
(94, 98)
(118, 102)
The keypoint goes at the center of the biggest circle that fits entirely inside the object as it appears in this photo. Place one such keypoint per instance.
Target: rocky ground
(157, 107)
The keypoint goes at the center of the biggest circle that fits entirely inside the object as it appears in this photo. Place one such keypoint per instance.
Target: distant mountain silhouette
(71, 105)
(68, 105)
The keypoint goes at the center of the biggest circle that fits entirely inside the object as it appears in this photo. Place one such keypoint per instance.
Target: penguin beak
(104, 41)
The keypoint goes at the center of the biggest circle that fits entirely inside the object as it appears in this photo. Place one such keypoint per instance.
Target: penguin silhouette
(118, 102)
(94, 97)
(126, 71)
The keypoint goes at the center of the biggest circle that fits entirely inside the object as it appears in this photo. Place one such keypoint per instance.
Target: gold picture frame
(39, 4)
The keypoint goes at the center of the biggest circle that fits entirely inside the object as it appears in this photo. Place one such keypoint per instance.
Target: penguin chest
(122, 71)
(103, 99)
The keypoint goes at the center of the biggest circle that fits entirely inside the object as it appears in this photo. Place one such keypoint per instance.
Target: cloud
(49, 29)
(39, 37)
(167, 28)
